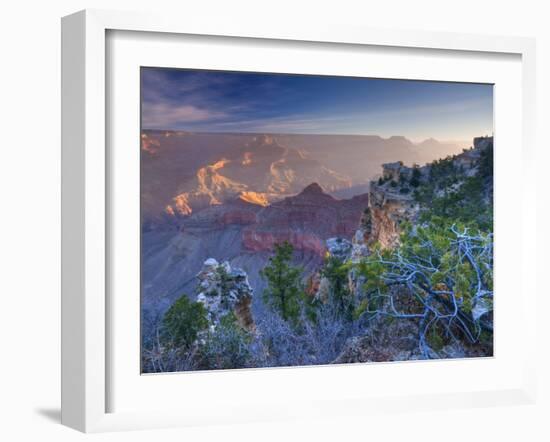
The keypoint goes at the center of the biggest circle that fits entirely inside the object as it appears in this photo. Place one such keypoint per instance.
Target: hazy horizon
(260, 103)
(328, 134)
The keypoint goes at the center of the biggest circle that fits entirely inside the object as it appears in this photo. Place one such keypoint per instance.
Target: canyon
(243, 234)
(232, 197)
(182, 172)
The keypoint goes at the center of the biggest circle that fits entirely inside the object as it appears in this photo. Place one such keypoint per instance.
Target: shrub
(227, 346)
(436, 277)
(486, 162)
(337, 274)
(415, 176)
(182, 323)
(284, 288)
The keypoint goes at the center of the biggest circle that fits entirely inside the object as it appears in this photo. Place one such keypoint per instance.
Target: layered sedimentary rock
(389, 206)
(387, 211)
(261, 171)
(183, 172)
(305, 220)
(244, 234)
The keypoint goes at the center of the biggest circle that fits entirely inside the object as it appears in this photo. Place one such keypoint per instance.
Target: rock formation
(305, 220)
(260, 172)
(225, 290)
(244, 234)
(391, 197)
(391, 202)
(339, 248)
(388, 209)
(343, 250)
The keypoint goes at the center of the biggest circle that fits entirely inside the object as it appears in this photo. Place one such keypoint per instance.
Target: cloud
(284, 124)
(165, 115)
(212, 101)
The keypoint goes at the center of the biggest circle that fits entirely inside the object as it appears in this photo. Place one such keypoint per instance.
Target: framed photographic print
(252, 214)
(282, 224)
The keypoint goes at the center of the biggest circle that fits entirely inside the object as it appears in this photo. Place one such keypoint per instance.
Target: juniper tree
(442, 277)
(336, 272)
(284, 288)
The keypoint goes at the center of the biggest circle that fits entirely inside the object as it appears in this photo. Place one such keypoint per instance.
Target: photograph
(291, 220)
(242, 221)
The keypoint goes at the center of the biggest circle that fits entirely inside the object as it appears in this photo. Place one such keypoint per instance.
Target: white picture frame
(86, 316)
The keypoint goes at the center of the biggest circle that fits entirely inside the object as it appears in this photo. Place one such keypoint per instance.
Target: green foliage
(224, 284)
(284, 289)
(224, 278)
(486, 162)
(453, 195)
(430, 264)
(182, 323)
(435, 339)
(310, 306)
(373, 271)
(416, 175)
(337, 272)
(443, 168)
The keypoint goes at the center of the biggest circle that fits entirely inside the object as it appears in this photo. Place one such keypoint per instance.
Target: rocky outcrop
(305, 220)
(391, 197)
(339, 248)
(224, 290)
(481, 143)
(392, 171)
(391, 202)
(387, 210)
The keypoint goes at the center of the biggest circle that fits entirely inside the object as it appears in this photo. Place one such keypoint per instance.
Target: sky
(219, 101)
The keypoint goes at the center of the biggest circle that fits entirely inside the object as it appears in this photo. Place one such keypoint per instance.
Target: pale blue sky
(217, 101)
